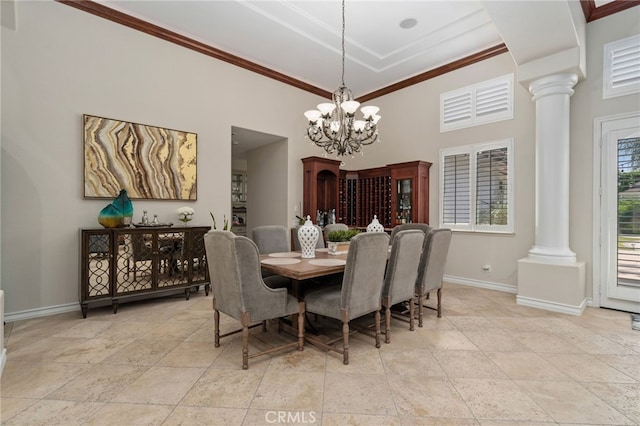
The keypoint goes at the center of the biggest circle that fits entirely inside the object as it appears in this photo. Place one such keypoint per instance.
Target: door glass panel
(404, 201)
(628, 212)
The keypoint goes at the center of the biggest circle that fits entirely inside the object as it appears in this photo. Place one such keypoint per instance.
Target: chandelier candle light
(333, 126)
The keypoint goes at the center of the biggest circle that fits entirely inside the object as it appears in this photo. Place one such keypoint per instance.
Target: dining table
(300, 270)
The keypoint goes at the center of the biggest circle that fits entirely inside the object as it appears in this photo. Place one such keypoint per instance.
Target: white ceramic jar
(308, 236)
(375, 225)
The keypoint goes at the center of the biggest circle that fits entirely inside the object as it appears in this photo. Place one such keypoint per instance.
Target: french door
(619, 278)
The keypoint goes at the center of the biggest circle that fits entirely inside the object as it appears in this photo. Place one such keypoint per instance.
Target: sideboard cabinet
(123, 264)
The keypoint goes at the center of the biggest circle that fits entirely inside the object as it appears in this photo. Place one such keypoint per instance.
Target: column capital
(557, 84)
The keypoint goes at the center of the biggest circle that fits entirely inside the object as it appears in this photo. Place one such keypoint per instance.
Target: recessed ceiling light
(408, 23)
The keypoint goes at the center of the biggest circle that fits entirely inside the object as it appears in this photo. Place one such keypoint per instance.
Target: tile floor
(487, 361)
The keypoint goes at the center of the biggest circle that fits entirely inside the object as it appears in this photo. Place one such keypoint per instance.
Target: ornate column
(550, 277)
(551, 95)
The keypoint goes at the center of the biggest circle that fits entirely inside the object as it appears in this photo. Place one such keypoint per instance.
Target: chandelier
(334, 127)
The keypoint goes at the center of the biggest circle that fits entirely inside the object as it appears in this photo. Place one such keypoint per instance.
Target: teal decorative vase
(124, 204)
(118, 213)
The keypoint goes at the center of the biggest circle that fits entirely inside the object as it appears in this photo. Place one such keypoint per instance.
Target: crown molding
(591, 12)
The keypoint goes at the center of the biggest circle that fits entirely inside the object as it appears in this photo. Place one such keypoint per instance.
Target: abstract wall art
(148, 162)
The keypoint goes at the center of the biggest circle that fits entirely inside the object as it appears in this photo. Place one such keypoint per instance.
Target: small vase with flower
(185, 214)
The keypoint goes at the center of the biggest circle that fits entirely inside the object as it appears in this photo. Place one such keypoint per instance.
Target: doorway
(259, 162)
(617, 285)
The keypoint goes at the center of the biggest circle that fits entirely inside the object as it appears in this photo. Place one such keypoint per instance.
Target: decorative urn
(375, 225)
(308, 236)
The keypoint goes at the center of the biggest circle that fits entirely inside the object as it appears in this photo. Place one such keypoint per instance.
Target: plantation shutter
(456, 110)
(492, 101)
(492, 190)
(622, 67)
(481, 103)
(456, 189)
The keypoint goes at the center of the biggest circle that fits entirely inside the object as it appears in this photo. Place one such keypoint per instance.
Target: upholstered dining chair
(401, 274)
(431, 269)
(272, 239)
(405, 226)
(360, 292)
(334, 227)
(240, 292)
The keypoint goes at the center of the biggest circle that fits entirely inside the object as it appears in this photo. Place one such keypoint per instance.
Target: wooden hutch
(396, 193)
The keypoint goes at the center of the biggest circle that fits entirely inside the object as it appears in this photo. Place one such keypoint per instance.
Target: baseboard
(480, 284)
(42, 312)
(3, 360)
(552, 306)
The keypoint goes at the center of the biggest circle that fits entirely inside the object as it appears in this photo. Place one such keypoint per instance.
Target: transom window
(481, 103)
(476, 187)
(621, 68)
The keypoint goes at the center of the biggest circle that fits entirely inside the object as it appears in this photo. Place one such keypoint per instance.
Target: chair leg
(246, 321)
(440, 303)
(377, 317)
(420, 301)
(264, 326)
(301, 309)
(387, 324)
(345, 342)
(411, 319)
(386, 303)
(216, 327)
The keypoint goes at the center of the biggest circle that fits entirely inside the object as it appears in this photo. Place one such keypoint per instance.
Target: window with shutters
(476, 187)
(621, 68)
(481, 103)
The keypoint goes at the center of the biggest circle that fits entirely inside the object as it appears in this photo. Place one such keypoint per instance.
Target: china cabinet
(320, 185)
(239, 220)
(395, 193)
(239, 202)
(410, 192)
(124, 264)
(238, 187)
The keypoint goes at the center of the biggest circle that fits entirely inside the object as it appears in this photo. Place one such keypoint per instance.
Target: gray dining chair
(272, 239)
(334, 227)
(240, 292)
(405, 226)
(360, 292)
(431, 269)
(401, 274)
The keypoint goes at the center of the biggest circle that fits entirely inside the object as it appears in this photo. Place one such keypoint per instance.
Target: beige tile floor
(487, 361)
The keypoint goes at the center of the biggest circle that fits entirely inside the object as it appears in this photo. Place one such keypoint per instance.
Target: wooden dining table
(292, 265)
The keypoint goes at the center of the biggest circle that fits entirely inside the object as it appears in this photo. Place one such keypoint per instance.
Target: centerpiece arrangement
(338, 241)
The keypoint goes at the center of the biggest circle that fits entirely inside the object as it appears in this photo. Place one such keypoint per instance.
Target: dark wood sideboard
(124, 264)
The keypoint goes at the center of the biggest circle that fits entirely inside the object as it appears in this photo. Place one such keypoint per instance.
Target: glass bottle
(145, 218)
(332, 217)
(155, 219)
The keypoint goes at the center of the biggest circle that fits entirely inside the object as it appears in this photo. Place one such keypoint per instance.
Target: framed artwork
(149, 162)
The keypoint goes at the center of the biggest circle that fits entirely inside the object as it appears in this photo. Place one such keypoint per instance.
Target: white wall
(61, 63)
(267, 186)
